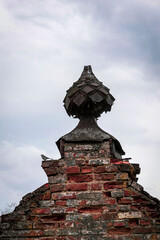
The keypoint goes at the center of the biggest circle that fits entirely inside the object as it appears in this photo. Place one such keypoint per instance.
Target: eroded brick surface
(89, 196)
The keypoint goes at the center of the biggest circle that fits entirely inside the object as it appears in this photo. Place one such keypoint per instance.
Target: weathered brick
(77, 187)
(63, 196)
(93, 196)
(125, 200)
(79, 155)
(124, 208)
(67, 147)
(96, 186)
(144, 222)
(90, 209)
(129, 192)
(132, 222)
(120, 231)
(71, 162)
(119, 223)
(54, 217)
(109, 216)
(132, 214)
(84, 147)
(49, 232)
(80, 162)
(145, 230)
(68, 231)
(60, 178)
(86, 169)
(60, 203)
(46, 204)
(80, 178)
(56, 188)
(112, 168)
(112, 185)
(69, 155)
(51, 171)
(41, 211)
(98, 162)
(104, 177)
(111, 201)
(122, 176)
(100, 169)
(46, 196)
(117, 193)
(73, 169)
(66, 224)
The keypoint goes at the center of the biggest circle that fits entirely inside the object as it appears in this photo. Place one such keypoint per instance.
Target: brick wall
(89, 195)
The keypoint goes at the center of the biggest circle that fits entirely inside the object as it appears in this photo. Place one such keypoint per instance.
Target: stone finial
(88, 96)
(87, 99)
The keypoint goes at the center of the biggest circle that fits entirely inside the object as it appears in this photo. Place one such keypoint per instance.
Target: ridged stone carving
(88, 96)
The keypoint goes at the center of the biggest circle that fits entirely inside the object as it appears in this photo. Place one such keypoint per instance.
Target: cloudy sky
(44, 45)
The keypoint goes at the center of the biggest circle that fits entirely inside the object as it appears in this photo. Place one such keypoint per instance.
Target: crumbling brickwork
(89, 196)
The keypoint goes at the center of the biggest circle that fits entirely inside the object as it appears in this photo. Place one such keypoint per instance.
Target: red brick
(144, 222)
(110, 224)
(109, 216)
(129, 192)
(112, 168)
(135, 208)
(133, 222)
(63, 196)
(100, 169)
(86, 169)
(32, 233)
(56, 188)
(114, 160)
(125, 200)
(79, 155)
(144, 230)
(111, 201)
(96, 216)
(80, 178)
(119, 224)
(77, 187)
(90, 210)
(46, 196)
(60, 203)
(54, 217)
(42, 226)
(51, 171)
(41, 211)
(83, 202)
(112, 185)
(80, 162)
(73, 169)
(108, 176)
(119, 231)
(96, 186)
(99, 177)
(70, 210)
(66, 224)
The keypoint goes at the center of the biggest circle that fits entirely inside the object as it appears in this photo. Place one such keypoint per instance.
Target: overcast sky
(44, 45)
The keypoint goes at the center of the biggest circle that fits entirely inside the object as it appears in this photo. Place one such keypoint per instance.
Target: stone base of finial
(82, 158)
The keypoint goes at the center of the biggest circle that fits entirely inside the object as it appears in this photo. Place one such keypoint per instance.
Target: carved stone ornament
(87, 99)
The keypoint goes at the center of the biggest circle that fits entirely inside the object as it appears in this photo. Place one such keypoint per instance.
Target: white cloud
(20, 171)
